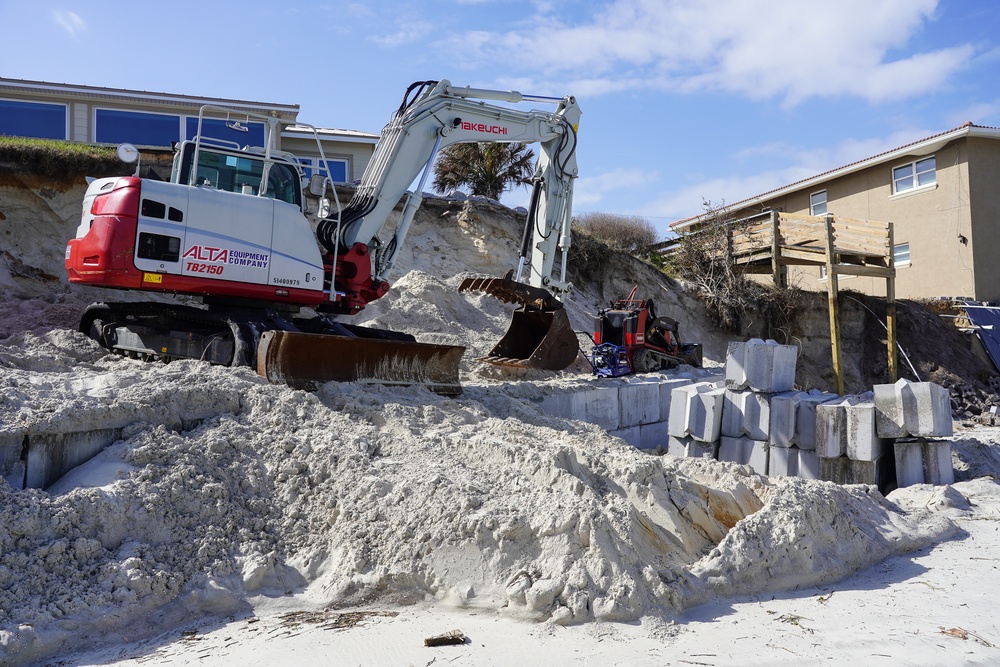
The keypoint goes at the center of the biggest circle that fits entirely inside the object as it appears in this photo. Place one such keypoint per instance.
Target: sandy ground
(237, 523)
(933, 607)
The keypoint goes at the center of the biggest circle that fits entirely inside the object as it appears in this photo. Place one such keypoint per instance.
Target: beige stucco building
(942, 196)
(154, 121)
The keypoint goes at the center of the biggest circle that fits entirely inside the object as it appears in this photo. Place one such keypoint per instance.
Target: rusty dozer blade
(539, 335)
(304, 361)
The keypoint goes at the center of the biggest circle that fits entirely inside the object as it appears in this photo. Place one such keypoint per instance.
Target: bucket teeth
(539, 335)
(510, 291)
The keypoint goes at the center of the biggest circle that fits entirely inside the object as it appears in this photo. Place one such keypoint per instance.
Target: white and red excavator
(231, 228)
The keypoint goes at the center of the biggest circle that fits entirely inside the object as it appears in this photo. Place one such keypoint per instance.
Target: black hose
(536, 192)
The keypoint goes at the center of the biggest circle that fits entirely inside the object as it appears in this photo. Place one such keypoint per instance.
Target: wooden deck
(844, 246)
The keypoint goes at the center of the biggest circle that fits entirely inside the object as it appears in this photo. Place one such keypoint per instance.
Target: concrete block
(909, 462)
(913, 409)
(847, 426)
(734, 450)
(653, 436)
(831, 428)
(746, 413)
(938, 467)
(631, 435)
(783, 462)
(557, 405)
(596, 406)
(667, 387)
(863, 444)
(763, 366)
(638, 403)
(681, 447)
(808, 464)
(923, 461)
(834, 469)
(696, 411)
(745, 451)
(793, 418)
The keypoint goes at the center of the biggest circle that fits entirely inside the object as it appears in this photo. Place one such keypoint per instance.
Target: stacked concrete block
(690, 447)
(913, 409)
(746, 413)
(667, 387)
(696, 411)
(652, 436)
(845, 430)
(842, 470)
(923, 461)
(745, 451)
(598, 405)
(921, 411)
(792, 462)
(761, 366)
(793, 418)
(638, 402)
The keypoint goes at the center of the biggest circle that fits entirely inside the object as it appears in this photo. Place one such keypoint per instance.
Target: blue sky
(683, 101)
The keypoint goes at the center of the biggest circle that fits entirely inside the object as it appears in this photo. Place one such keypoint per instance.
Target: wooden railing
(768, 242)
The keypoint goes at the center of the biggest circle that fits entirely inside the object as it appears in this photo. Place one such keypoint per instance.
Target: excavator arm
(435, 114)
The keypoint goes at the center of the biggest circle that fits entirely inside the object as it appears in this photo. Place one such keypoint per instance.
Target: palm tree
(487, 168)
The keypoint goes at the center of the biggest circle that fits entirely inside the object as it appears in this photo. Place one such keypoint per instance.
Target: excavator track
(539, 335)
(300, 352)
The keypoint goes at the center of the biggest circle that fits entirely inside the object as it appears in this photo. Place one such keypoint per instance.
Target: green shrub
(58, 159)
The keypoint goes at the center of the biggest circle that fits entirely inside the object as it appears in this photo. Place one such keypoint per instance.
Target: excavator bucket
(539, 335)
(304, 361)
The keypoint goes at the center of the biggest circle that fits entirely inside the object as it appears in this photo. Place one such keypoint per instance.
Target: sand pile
(360, 494)
(223, 492)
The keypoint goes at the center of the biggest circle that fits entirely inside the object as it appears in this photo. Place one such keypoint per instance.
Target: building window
(817, 203)
(113, 126)
(32, 119)
(901, 254)
(914, 175)
(338, 168)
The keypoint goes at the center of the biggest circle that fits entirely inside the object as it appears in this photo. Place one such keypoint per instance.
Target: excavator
(270, 283)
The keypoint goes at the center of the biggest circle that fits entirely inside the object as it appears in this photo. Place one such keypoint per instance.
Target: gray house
(154, 121)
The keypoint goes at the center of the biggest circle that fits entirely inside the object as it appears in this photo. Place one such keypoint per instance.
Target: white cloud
(981, 113)
(589, 191)
(69, 21)
(408, 32)
(758, 48)
(801, 164)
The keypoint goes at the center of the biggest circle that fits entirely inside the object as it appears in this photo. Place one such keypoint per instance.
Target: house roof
(347, 136)
(924, 146)
(62, 90)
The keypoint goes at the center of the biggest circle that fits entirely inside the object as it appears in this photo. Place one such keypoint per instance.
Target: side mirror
(129, 154)
(317, 185)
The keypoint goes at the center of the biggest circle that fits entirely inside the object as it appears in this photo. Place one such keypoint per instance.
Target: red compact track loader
(630, 338)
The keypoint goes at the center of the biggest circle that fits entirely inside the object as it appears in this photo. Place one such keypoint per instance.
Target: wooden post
(831, 284)
(890, 310)
(775, 251)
